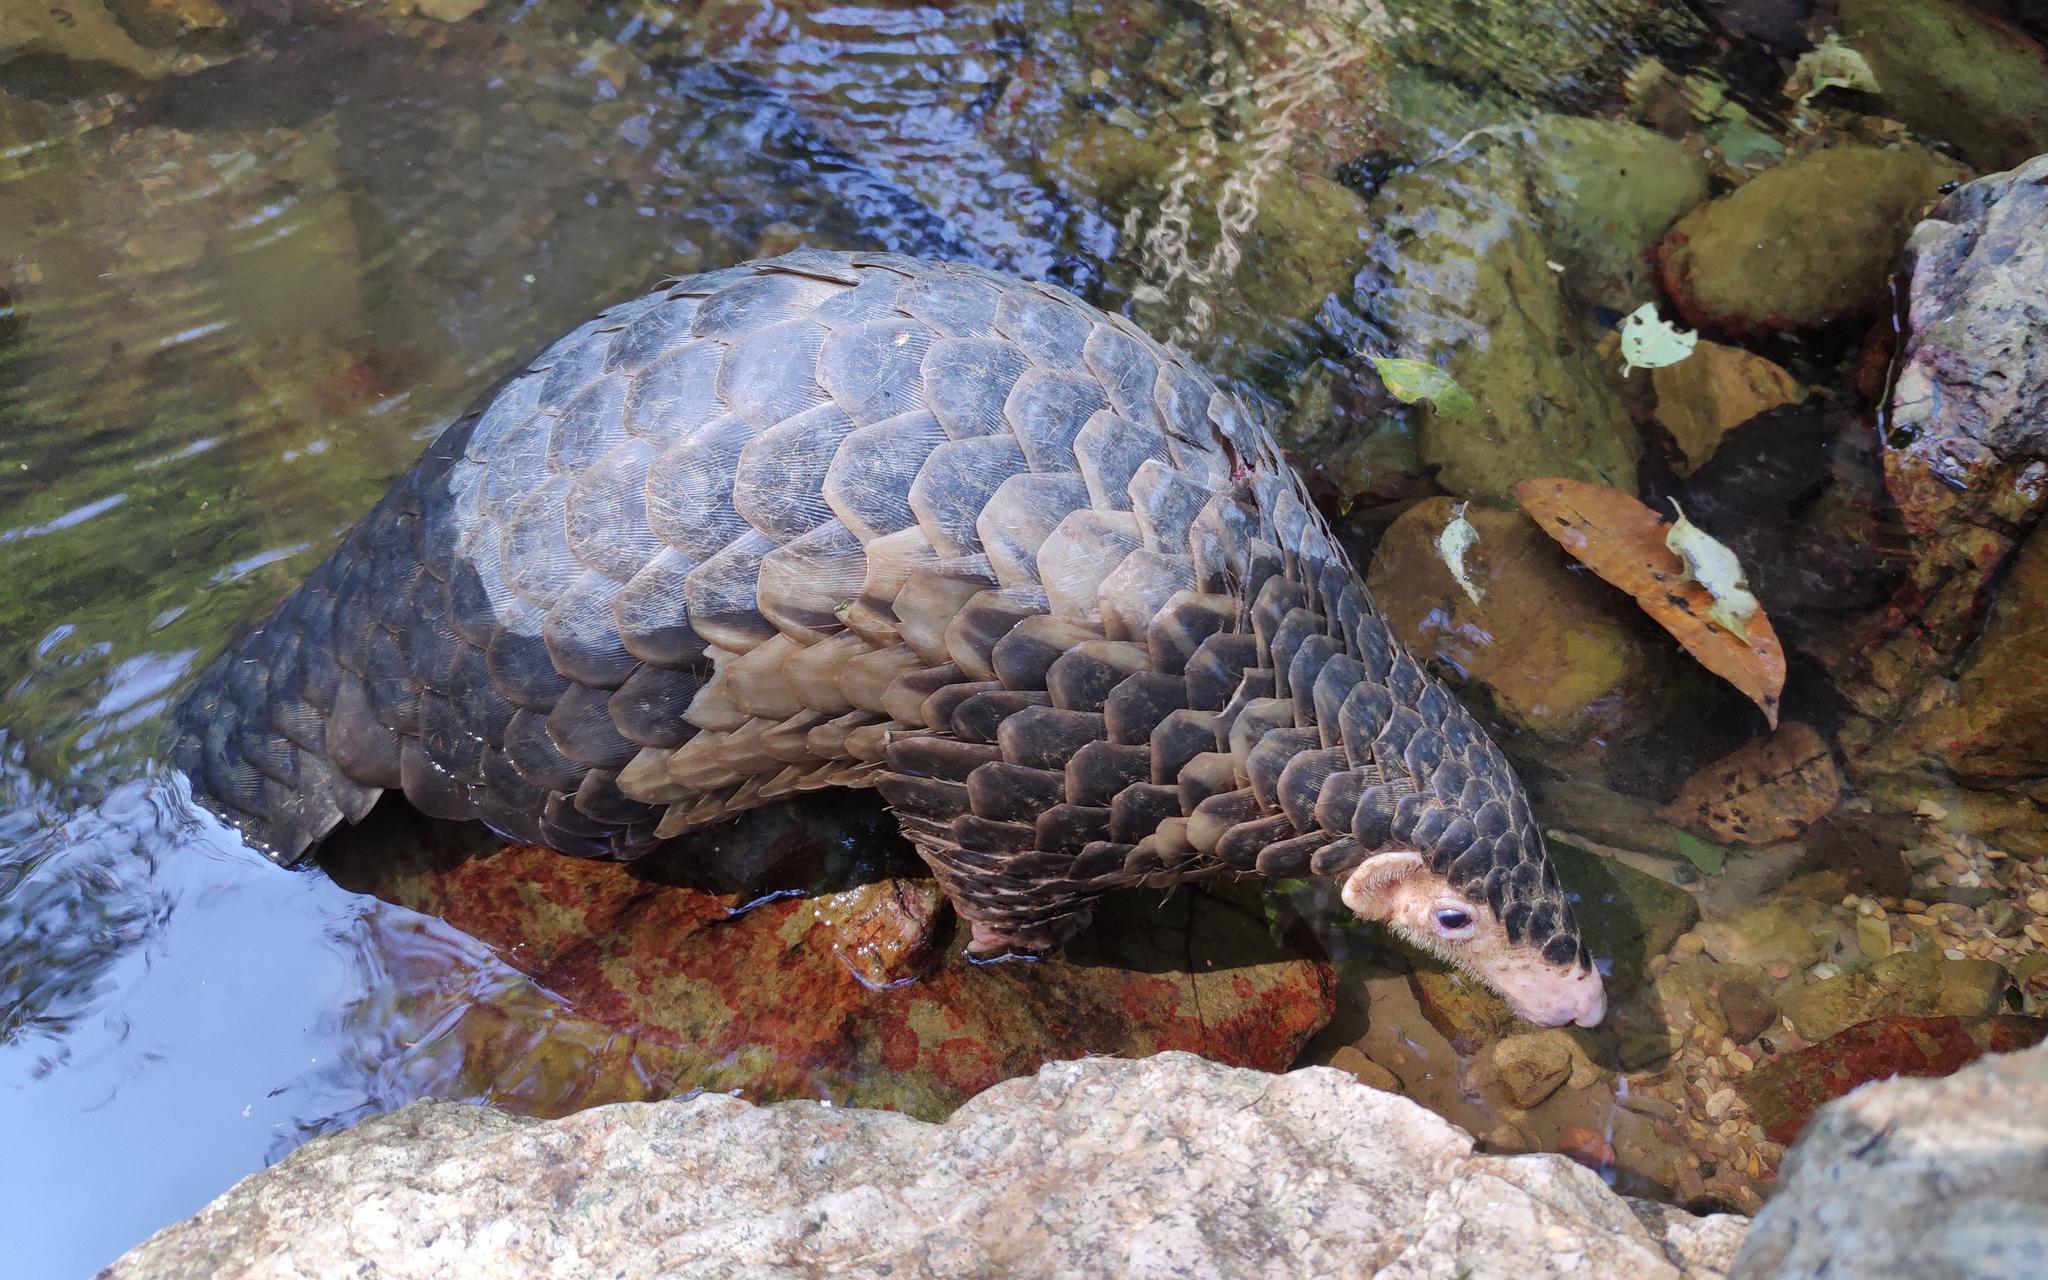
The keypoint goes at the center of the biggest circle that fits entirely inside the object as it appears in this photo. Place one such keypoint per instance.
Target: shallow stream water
(251, 262)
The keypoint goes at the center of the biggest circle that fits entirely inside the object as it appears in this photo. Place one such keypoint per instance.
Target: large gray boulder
(1169, 1166)
(1929, 1179)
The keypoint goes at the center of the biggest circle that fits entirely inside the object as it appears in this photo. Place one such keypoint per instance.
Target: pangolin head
(1461, 871)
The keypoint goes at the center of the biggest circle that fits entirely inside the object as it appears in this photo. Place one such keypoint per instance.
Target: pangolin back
(850, 519)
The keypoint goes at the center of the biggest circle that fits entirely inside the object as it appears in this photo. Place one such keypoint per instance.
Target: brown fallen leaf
(1622, 540)
(1765, 791)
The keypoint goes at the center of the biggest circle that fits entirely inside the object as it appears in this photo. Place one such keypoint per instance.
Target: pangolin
(855, 519)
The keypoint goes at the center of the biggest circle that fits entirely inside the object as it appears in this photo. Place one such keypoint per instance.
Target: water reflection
(174, 1012)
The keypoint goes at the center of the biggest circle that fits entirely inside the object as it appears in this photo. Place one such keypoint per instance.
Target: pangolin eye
(1450, 919)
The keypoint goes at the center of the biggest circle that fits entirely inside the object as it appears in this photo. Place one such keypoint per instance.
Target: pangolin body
(856, 519)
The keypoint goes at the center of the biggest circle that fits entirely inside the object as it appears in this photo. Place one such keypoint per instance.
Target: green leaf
(1741, 142)
(1648, 342)
(1412, 380)
(1830, 65)
(1704, 854)
(1457, 538)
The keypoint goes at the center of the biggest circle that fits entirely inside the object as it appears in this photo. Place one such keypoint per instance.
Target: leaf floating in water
(1457, 538)
(1706, 856)
(1412, 380)
(1830, 65)
(1648, 342)
(1765, 791)
(1711, 564)
(1623, 541)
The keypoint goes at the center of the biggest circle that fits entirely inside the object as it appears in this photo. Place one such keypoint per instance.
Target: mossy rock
(1460, 272)
(1953, 71)
(1805, 244)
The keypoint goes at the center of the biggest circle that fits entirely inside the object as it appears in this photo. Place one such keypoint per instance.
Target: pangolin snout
(1554, 998)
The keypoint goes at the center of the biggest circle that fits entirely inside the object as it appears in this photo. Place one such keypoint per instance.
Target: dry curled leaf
(1622, 540)
(1765, 791)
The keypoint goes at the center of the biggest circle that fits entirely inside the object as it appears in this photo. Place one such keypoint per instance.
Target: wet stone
(1532, 1067)
(1711, 392)
(1805, 244)
(1908, 984)
(1555, 651)
(1365, 1069)
(1699, 994)
(1955, 71)
(1459, 271)
(1785, 1093)
(1775, 934)
(1746, 1010)
(778, 988)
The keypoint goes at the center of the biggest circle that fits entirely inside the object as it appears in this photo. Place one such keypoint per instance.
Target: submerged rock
(1532, 1066)
(1556, 652)
(1951, 69)
(1914, 984)
(1727, 999)
(1493, 258)
(1806, 243)
(1786, 1092)
(777, 988)
(1915, 1178)
(1544, 50)
(1774, 934)
(1293, 238)
(1711, 392)
(1990, 723)
(1461, 267)
(1168, 1167)
(80, 33)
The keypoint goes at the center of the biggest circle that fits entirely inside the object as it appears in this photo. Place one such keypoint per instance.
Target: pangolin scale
(857, 519)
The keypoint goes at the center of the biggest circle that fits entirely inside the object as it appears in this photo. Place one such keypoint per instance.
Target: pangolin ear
(1369, 890)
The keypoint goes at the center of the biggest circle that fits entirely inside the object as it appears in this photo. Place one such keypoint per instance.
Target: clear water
(236, 300)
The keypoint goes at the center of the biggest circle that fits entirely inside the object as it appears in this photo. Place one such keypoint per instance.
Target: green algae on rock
(1806, 243)
(1774, 934)
(1956, 72)
(1299, 241)
(1459, 265)
(1492, 258)
(1916, 984)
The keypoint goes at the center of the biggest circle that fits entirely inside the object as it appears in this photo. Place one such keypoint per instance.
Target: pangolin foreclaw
(852, 519)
